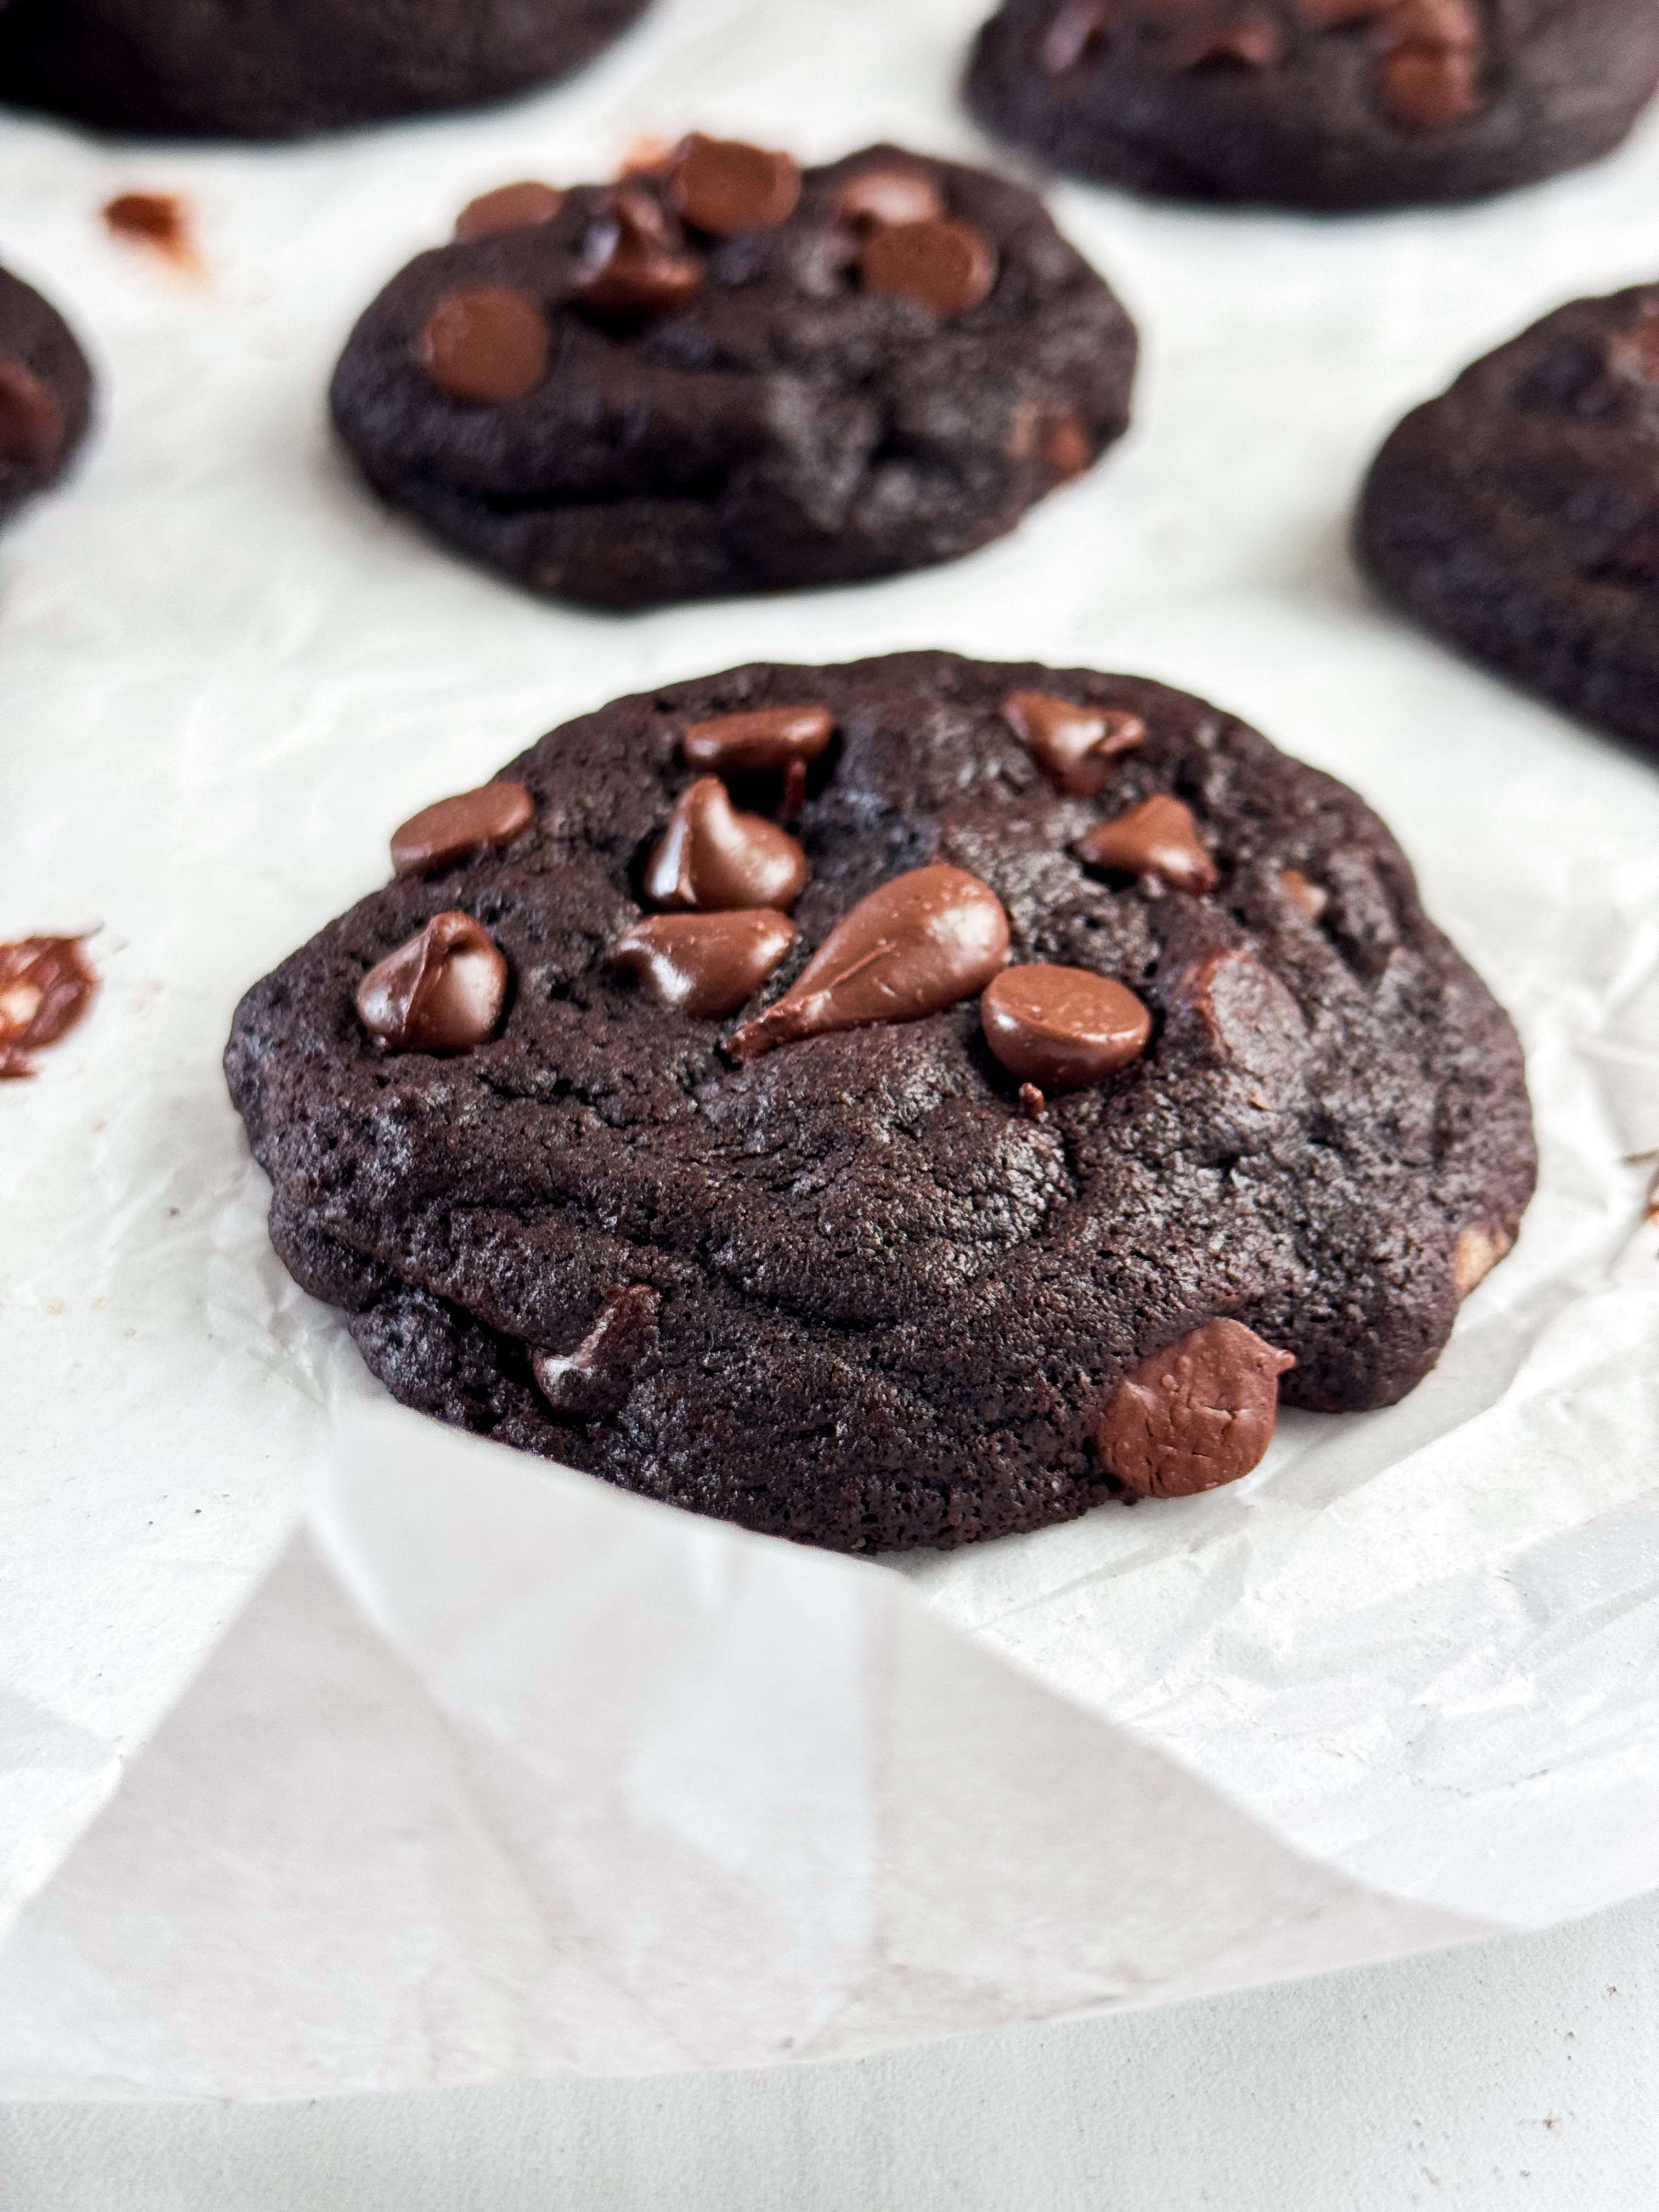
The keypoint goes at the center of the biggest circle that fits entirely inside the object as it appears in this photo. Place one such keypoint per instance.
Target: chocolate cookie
(1328, 104)
(1518, 513)
(1103, 1070)
(275, 68)
(45, 394)
(725, 375)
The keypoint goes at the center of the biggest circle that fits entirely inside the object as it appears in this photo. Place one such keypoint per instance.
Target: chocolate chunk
(1074, 745)
(1247, 1018)
(1075, 27)
(1479, 1249)
(1157, 838)
(47, 984)
(1312, 898)
(704, 963)
(945, 266)
(633, 269)
(712, 858)
(443, 991)
(723, 186)
(877, 198)
(620, 1350)
(765, 741)
(486, 344)
(1032, 1103)
(1197, 1414)
(915, 946)
(1062, 1028)
(509, 207)
(447, 831)
(1251, 38)
(31, 418)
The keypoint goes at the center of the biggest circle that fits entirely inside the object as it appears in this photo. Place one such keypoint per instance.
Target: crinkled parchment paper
(486, 1769)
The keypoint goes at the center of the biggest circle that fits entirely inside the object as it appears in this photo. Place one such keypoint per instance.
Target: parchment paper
(1394, 1687)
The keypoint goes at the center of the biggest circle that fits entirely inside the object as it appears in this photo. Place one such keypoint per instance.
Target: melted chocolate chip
(723, 186)
(47, 984)
(509, 207)
(704, 964)
(443, 991)
(712, 858)
(632, 268)
(945, 266)
(1074, 745)
(1157, 838)
(448, 831)
(877, 198)
(765, 741)
(1198, 1414)
(1061, 1028)
(621, 1349)
(31, 418)
(1246, 1018)
(915, 946)
(485, 343)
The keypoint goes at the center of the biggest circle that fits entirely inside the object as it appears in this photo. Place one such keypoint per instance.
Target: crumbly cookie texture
(927, 1234)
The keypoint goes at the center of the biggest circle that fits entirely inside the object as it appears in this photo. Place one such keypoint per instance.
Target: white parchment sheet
(487, 1768)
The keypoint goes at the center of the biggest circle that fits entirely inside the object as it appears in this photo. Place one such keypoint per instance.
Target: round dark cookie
(868, 1290)
(45, 394)
(278, 69)
(701, 415)
(1325, 103)
(1518, 513)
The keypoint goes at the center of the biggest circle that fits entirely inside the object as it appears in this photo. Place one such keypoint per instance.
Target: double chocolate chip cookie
(891, 1104)
(1518, 513)
(45, 394)
(724, 374)
(275, 68)
(1328, 103)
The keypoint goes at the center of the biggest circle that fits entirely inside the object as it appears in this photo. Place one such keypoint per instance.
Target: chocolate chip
(916, 946)
(715, 858)
(1074, 745)
(1195, 1415)
(485, 343)
(763, 741)
(945, 266)
(793, 800)
(509, 207)
(1062, 1028)
(1312, 898)
(1067, 448)
(632, 268)
(1032, 1103)
(723, 186)
(159, 221)
(621, 1349)
(876, 199)
(1157, 838)
(1479, 1251)
(47, 984)
(1074, 28)
(31, 418)
(448, 831)
(1246, 1018)
(1250, 38)
(704, 963)
(1429, 88)
(443, 991)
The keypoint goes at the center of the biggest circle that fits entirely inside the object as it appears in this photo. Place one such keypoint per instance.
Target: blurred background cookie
(45, 393)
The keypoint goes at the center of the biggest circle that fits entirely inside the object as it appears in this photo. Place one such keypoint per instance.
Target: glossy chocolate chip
(945, 266)
(763, 741)
(712, 858)
(485, 343)
(509, 207)
(876, 199)
(632, 267)
(31, 418)
(1157, 838)
(447, 831)
(916, 946)
(704, 964)
(1075, 746)
(723, 186)
(47, 984)
(1061, 1028)
(621, 1349)
(443, 991)
(1246, 1018)
(1195, 1415)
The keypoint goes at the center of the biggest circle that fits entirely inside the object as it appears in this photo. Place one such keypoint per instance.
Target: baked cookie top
(891, 1104)
(725, 375)
(45, 393)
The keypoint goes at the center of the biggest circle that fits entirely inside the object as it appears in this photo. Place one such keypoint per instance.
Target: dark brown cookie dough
(278, 69)
(45, 394)
(1326, 103)
(1518, 513)
(658, 393)
(869, 1288)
